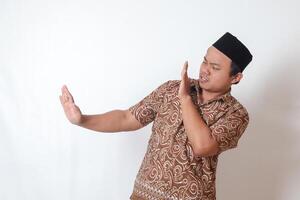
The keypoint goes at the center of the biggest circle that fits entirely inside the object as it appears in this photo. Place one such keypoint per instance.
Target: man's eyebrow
(212, 63)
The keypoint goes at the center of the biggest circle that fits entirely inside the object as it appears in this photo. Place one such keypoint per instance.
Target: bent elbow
(209, 150)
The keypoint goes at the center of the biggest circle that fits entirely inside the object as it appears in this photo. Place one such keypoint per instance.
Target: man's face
(214, 75)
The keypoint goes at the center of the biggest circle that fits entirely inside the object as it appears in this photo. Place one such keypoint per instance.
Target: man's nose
(206, 70)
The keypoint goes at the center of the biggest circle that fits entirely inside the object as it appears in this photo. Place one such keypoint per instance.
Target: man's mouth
(203, 78)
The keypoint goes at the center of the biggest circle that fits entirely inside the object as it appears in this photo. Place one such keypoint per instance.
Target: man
(194, 120)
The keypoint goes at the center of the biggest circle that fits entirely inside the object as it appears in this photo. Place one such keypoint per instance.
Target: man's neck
(205, 95)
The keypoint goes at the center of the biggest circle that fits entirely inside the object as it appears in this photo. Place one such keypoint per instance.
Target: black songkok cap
(234, 49)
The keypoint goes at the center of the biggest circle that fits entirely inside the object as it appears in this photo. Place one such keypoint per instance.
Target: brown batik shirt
(169, 170)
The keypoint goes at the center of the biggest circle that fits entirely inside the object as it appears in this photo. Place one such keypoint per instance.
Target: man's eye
(216, 68)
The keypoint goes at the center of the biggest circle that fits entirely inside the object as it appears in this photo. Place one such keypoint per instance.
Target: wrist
(185, 98)
(80, 121)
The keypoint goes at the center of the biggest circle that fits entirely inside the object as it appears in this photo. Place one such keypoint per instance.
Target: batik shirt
(170, 170)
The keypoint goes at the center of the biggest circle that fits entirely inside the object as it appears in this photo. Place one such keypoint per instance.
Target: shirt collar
(224, 97)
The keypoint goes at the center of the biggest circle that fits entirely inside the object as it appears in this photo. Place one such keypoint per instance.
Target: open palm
(71, 110)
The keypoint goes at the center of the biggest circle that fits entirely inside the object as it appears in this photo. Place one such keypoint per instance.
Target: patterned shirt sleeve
(146, 109)
(228, 130)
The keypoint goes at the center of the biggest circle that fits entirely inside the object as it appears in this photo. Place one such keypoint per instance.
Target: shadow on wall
(267, 167)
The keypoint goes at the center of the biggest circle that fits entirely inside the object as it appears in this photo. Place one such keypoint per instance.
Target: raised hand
(184, 89)
(71, 110)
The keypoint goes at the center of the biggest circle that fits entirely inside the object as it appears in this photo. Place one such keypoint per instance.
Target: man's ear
(236, 78)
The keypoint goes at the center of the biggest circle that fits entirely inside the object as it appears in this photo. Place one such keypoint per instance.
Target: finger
(70, 95)
(64, 98)
(186, 64)
(67, 95)
(63, 92)
(64, 95)
(63, 88)
(184, 70)
(61, 100)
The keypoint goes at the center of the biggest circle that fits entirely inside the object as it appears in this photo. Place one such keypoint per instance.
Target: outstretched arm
(112, 121)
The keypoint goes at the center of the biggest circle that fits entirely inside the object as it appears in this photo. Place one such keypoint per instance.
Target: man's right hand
(72, 111)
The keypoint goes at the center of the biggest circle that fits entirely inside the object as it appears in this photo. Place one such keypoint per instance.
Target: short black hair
(234, 70)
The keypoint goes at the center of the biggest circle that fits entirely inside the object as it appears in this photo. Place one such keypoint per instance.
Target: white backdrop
(111, 54)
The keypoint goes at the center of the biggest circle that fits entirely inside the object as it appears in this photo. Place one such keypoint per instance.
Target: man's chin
(202, 85)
